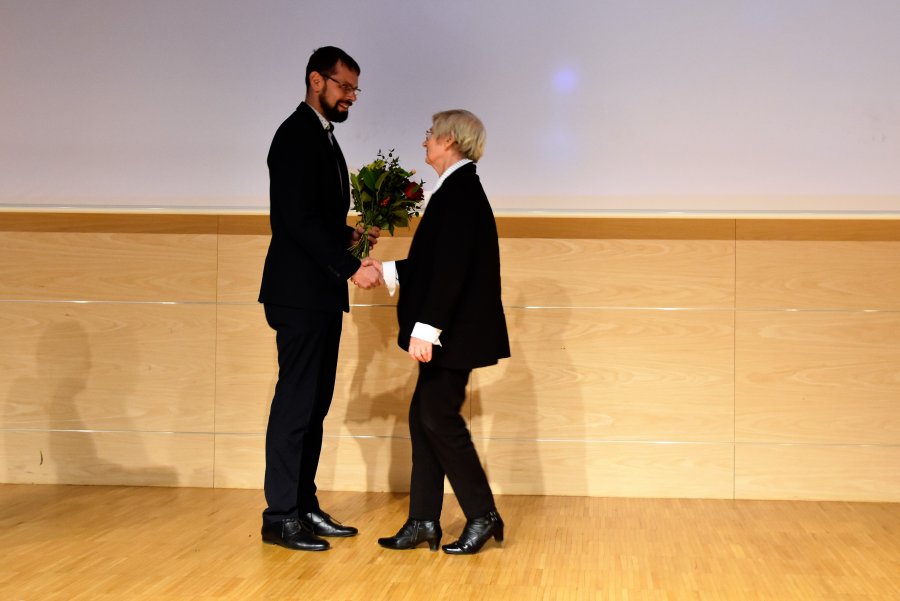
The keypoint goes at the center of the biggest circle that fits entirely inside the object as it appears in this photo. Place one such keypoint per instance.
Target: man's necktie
(338, 157)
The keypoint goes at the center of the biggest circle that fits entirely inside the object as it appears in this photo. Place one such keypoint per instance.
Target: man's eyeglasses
(428, 134)
(348, 89)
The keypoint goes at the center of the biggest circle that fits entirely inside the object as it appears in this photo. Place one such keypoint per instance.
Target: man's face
(338, 93)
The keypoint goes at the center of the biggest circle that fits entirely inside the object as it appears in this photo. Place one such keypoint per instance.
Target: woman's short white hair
(465, 128)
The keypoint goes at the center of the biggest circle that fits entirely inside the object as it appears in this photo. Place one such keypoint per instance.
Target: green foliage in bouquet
(384, 196)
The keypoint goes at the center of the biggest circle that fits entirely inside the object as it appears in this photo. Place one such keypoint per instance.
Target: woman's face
(436, 148)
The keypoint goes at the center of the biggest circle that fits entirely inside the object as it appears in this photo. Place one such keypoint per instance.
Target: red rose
(413, 191)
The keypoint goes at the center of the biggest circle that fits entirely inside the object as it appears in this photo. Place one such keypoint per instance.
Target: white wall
(609, 105)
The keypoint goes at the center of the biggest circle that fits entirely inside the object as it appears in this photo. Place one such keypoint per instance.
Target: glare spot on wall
(565, 80)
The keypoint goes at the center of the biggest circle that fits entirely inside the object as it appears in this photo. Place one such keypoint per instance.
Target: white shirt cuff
(390, 276)
(425, 332)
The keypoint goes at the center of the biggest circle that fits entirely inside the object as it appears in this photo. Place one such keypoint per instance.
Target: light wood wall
(652, 357)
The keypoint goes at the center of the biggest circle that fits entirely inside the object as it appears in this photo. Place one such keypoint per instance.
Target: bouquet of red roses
(384, 196)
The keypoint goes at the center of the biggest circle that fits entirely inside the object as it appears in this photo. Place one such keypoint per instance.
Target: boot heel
(498, 535)
(412, 534)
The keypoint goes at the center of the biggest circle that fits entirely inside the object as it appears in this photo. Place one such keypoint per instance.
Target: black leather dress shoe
(413, 533)
(293, 534)
(325, 525)
(476, 533)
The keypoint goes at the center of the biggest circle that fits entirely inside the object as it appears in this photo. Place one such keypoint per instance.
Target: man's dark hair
(324, 60)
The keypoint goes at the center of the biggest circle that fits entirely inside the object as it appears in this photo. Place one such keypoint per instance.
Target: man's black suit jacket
(451, 277)
(307, 265)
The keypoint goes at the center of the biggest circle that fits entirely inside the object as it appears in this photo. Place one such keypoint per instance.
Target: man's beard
(331, 112)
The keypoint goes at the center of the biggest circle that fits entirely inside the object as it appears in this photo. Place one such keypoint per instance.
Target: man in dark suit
(451, 321)
(304, 292)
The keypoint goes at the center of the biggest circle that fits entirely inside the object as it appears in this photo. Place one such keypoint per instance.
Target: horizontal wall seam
(481, 438)
(100, 431)
(517, 307)
(262, 210)
(211, 303)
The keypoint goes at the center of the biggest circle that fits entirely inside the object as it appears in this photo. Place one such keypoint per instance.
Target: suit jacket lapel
(341, 166)
(331, 142)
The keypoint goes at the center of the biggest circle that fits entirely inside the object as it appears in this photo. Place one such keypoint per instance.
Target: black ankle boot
(476, 533)
(413, 533)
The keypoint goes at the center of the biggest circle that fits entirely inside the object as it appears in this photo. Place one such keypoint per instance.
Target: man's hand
(374, 232)
(367, 277)
(419, 349)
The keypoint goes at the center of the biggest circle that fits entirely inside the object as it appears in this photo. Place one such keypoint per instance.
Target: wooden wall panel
(246, 369)
(240, 461)
(376, 464)
(642, 349)
(107, 366)
(617, 273)
(610, 375)
(107, 266)
(632, 273)
(241, 260)
(584, 226)
(548, 467)
(347, 463)
(123, 458)
(818, 377)
(513, 466)
(817, 472)
(805, 228)
(803, 274)
(374, 382)
(375, 379)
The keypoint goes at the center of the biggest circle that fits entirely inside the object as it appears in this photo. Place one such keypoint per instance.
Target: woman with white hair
(451, 321)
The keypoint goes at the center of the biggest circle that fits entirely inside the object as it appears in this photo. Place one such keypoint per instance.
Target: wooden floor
(97, 542)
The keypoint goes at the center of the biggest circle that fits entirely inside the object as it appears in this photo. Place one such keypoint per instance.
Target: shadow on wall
(519, 408)
(378, 404)
(65, 424)
(523, 413)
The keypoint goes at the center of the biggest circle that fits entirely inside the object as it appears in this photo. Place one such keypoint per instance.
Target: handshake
(369, 275)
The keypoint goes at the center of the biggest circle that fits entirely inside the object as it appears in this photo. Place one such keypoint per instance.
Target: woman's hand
(419, 349)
